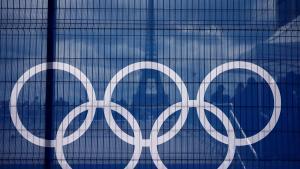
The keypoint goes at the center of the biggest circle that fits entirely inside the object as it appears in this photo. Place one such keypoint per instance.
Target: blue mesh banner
(149, 84)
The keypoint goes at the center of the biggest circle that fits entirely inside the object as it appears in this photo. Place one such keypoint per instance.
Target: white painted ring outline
(176, 107)
(33, 71)
(141, 66)
(239, 65)
(99, 104)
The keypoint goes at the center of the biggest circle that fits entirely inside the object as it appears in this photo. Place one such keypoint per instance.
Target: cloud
(265, 12)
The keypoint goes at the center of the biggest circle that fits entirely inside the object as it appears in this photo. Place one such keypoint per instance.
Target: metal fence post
(51, 42)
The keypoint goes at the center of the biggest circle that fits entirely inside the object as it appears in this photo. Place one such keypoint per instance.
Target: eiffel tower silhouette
(150, 99)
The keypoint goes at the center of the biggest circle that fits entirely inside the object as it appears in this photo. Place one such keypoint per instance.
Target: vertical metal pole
(51, 42)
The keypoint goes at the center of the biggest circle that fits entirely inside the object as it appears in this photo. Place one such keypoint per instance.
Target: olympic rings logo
(137, 140)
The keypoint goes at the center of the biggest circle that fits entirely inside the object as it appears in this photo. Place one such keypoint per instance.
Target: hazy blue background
(191, 37)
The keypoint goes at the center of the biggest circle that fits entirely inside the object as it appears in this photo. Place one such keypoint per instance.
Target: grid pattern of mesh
(190, 37)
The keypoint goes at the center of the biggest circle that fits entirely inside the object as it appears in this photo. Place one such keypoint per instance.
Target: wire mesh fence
(149, 84)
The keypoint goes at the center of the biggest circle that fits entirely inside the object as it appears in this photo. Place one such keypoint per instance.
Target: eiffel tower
(150, 99)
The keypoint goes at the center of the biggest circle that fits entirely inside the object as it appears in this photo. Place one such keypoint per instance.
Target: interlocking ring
(239, 65)
(138, 66)
(176, 107)
(99, 104)
(35, 70)
(137, 140)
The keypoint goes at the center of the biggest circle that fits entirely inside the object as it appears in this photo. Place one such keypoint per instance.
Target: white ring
(171, 110)
(99, 104)
(25, 77)
(138, 66)
(239, 65)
